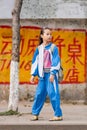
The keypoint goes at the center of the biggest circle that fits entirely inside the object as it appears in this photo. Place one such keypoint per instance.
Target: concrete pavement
(74, 118)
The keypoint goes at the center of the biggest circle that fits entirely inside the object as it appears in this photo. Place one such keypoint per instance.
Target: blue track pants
(44, 88)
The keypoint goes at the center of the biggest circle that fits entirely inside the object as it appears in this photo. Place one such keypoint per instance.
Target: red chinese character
(59, 42)
(5, 45)
(72, 75)
(74, 52)
(31, 46)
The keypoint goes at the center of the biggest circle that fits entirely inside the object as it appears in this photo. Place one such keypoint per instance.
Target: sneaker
(34, 118)
(56, 118)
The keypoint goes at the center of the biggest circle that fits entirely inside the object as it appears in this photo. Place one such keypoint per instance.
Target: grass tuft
(10, 112)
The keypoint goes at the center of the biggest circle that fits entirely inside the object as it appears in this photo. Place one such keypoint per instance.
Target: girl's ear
(41, 36)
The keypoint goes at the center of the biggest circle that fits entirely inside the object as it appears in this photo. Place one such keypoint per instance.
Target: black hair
(41, 33)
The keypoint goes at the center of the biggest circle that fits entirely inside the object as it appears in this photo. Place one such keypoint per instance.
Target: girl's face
(47, 36)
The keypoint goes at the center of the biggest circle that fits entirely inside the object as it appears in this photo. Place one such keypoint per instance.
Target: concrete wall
(56, 9)
(63, 14)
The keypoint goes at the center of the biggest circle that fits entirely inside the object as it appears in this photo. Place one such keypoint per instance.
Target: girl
(45, 65)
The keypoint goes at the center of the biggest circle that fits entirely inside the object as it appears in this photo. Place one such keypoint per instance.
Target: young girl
(45, 65)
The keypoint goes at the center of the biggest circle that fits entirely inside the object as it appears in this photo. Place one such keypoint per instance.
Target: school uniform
(45, 63)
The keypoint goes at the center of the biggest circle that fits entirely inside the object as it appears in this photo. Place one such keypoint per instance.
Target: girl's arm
(34, 66)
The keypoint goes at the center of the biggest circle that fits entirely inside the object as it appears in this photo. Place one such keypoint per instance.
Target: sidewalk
(74, 116)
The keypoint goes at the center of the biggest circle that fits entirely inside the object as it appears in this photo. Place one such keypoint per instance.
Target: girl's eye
(48, 34)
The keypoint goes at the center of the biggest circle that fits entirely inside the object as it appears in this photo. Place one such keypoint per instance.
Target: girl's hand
(51, 78)
(32, 79)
